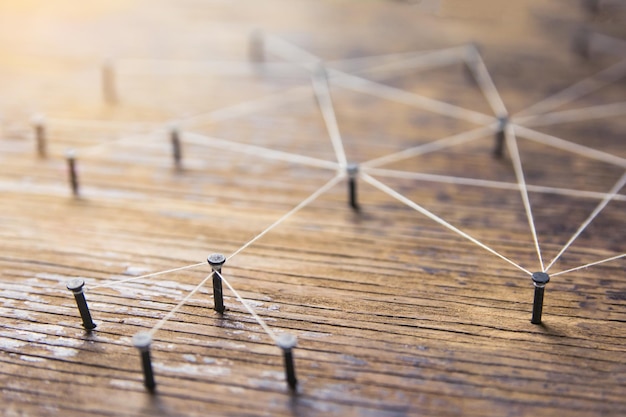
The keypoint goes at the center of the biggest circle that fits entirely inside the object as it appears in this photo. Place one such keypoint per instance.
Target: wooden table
(397, 311)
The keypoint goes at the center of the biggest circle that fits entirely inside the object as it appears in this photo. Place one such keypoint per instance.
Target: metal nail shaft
(256, 47)
(76, 286)
(40, 136)
(469, 63)
(216, 260)
(108, 82)
(581, 43)
(540, 279)
(353, 170)
(71, 169)
(176, 147)
(142, 342)
(498, 150)
(287, 342)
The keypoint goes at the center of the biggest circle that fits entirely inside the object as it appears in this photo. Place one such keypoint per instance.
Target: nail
(581, 42)
(353, 171)
(39, 123)
(108, 82)
(498, 150)
(321, 73)
(540, 279)
(70, 155)
(469, 63)
(142, 341)
(216, 260)
(256, 47)
(76, 286)
(288, 341)
(176, 146)
(591, 6)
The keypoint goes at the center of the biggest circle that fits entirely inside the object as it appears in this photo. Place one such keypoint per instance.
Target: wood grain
(395, 315)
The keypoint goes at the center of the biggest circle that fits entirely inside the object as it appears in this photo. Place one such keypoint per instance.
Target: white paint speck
(196, 370)
(120, 383)
(273, 375)
(62, 352)
(31, 358)
(190, 358)
(254, 303)
(22, 315)
(135, 271)
(31, 337)
(61, 279)
(20, 295)
(11, 343)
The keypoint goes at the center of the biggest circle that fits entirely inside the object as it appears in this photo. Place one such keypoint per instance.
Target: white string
(247, 107)
(519, 173)
(588, 265)
(488, 183)
(481, 74)
(303, 204)
(101, 124)
(608, 44)
(580, 89)
(436, 218)
(136, 66)
(430, 146)
(416, 60)
(203, 140)
(569, 146)
(308, 60)
(365, 62)
(237, 110)
(618, 185)
(320, 86)
(291, 52)
(401, 96)
(178, 306)
(154, 274)
(95, 149)
(259, 320)
(576, 115)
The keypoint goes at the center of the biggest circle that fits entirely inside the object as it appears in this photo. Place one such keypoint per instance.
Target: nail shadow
(154, 405)
(549, 331)
(296, 406)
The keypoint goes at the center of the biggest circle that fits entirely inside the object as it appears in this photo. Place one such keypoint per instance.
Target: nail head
(216, 259)
(540, 278)
(75, 284)
(286, 341)
(142, 340)
(352, 169)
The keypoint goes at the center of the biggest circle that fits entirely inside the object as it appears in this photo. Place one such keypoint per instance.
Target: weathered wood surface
(395, 315)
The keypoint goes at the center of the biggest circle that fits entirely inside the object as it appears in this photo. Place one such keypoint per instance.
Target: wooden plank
(395, 314)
